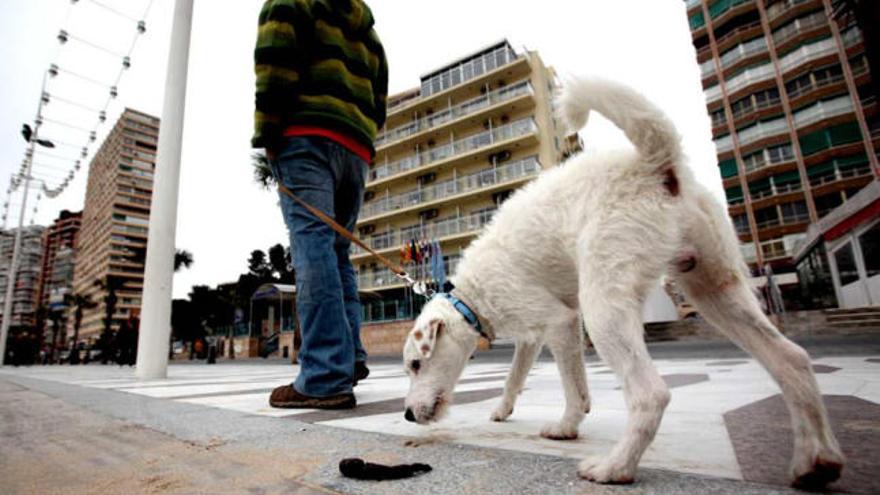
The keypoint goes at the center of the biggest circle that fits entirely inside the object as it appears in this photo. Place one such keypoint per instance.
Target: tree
(279, 261)
(112, 284)
(259, 266)
(80, 302)
(182, 259)
(263, 175)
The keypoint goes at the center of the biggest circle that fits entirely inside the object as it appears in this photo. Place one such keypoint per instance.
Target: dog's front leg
(566, 344)
(523, 359)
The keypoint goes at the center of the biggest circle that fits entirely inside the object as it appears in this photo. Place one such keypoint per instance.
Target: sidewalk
(726, 423)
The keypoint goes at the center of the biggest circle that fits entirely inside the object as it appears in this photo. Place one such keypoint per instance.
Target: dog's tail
(646, 126)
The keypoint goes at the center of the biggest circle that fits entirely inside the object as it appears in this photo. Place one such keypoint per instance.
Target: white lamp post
(155, 329)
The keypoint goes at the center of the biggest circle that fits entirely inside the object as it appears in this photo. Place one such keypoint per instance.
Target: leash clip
(419, 288)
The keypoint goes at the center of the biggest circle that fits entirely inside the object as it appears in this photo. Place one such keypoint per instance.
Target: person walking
(322, 84)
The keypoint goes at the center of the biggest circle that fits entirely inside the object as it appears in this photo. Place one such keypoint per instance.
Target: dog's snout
(409, 415)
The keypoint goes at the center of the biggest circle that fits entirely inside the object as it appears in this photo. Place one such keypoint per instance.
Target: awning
(267, 291)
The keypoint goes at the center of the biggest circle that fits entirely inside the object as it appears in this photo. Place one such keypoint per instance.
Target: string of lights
(66, 155)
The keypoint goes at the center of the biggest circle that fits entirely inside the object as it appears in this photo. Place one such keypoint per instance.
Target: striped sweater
(319, 63)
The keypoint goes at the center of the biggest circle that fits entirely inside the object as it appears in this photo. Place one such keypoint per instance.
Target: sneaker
(288, 398)
(361, 372)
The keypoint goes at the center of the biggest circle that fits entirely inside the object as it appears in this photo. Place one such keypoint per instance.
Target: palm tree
(182, 259)
(80, 302)
(112, 285)
(263, 175)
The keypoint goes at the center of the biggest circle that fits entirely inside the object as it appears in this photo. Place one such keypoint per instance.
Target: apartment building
(452, 150)
(24, 309)
(112, 241)
(56, 272)
(794, 117)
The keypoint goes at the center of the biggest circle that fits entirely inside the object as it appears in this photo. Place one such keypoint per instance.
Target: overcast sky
(223, 215)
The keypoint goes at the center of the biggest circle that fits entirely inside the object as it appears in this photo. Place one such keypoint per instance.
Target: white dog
(591, 237)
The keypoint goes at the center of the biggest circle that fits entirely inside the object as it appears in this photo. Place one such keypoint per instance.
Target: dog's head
(435, 353)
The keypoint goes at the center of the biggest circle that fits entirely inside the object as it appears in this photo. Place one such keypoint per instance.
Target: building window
(870, 244)
(846, 264)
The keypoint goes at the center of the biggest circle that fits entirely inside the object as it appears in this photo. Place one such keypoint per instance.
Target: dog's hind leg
(565, 341)
(523, 359)
(718, 286)
(733, 309)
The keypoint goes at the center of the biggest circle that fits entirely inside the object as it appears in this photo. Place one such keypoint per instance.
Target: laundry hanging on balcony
(426, 258)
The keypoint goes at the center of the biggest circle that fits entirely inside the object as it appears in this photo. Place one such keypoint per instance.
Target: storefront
(841, 253)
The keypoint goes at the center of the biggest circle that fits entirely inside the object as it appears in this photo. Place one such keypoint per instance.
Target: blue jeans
(330, 178)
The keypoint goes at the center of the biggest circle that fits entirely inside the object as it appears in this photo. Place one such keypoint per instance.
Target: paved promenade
(726, 420)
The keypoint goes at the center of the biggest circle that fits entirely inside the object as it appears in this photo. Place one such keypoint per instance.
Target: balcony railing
(692, 3)
(471, 182)
(707, 68)
(836, 175)
(762, 130)
(443, 228)
(780, 8)
(801, 90)
(713, 93)
(743, 111)
(797, 26)
(823, 110)
(776, 190)
(736, 32)
(724, 143)
(851, 36)
(742, 51)
(784, 220)
(468, 70)
(513, 130)
(750, 76)
(385, 277)
(466, 108)
(806, 53)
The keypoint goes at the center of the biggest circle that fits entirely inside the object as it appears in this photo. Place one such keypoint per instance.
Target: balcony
(837, 175)
(460, 147)
(778, 9)
(745, 111)
(707, 68)
(712, 93)
(806, 53)
(483, 179)
(799, 26)
(761, 130)
(468, 107)
(802, 90)
(385, 278)
(470, 69)
(776, 191)
(823, 110)
(784, 221)
(743, 51)
(737, 32)
(851, 36)
(752, 75)
(455, 226)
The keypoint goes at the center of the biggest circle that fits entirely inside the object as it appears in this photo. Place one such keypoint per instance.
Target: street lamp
(31, 137)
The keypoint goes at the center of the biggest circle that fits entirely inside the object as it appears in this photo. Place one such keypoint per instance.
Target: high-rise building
(112, 242)
(451, 151)
(24, 309)
(794, 117)
(56, 272)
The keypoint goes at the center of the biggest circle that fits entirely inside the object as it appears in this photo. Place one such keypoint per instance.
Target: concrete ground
(207, 429)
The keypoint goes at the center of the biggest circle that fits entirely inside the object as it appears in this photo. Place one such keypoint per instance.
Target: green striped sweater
(319, 63)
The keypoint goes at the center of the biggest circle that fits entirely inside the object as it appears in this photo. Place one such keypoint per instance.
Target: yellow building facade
(451, 151)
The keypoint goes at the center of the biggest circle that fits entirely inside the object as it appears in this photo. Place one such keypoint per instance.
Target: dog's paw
(815, 475)
(501, 413)
(557, 431)
(601, 471)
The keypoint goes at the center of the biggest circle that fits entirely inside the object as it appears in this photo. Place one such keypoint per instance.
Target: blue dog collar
(466, 312)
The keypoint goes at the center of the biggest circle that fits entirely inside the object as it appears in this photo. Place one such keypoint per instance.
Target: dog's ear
(426, 339)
